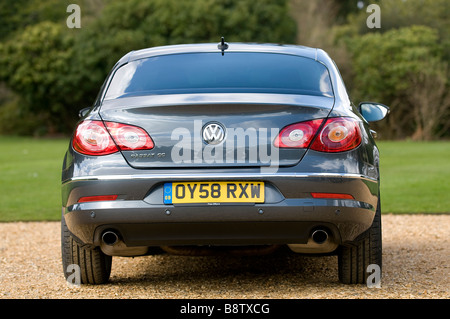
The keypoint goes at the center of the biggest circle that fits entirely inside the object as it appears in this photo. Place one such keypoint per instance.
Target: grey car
(228, 148)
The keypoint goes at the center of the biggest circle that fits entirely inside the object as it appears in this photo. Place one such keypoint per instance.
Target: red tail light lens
(338, 135)
(298, 135)
(93, 138)
(130, 138)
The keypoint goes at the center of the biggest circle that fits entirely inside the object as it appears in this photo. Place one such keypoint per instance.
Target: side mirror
(372, 111)
(83, 112)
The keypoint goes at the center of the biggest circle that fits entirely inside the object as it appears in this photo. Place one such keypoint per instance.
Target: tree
(392, 68)
(57, 71)
(394, 63)
(131, 25)
(428, 92)
(397, 14)
(36, 65)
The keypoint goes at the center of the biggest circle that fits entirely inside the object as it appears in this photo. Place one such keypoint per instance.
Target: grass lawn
(30, 178)
(415, 177)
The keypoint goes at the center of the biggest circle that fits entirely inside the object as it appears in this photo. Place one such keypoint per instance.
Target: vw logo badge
(213, 133)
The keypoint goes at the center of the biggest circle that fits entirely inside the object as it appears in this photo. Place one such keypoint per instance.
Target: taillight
(94, 138)
(338, 135)
(130, 138)
(298, 135)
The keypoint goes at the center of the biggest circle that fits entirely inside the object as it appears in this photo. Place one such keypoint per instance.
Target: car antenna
(222, 45)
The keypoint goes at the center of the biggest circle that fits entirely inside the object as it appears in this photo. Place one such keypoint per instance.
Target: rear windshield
(214, 73)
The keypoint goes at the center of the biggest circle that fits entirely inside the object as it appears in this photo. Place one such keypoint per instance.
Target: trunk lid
(215, 130)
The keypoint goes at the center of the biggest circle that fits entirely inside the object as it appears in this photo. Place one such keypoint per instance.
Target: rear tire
(94, 265)
(356, 256)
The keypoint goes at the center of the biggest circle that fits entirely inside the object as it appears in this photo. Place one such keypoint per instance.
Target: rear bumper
(288, 216)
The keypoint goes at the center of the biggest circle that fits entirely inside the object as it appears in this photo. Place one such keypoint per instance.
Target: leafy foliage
(388, 65)
(35, 64)
(48, 72)
(57, 71)
(404, 64)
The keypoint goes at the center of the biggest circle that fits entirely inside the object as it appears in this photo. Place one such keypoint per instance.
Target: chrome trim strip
(222, 176)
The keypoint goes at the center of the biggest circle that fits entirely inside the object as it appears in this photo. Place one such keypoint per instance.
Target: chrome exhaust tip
(319, 236)
(110, 238)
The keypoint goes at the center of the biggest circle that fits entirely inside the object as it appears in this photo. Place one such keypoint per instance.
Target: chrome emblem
(213, 133)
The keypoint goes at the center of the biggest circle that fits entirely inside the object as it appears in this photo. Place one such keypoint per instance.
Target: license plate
(214, 192)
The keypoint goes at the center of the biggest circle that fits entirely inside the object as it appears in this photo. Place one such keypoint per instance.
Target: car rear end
(187, 147)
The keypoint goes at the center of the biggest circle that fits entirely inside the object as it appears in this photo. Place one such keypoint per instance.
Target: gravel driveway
(416, 259)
